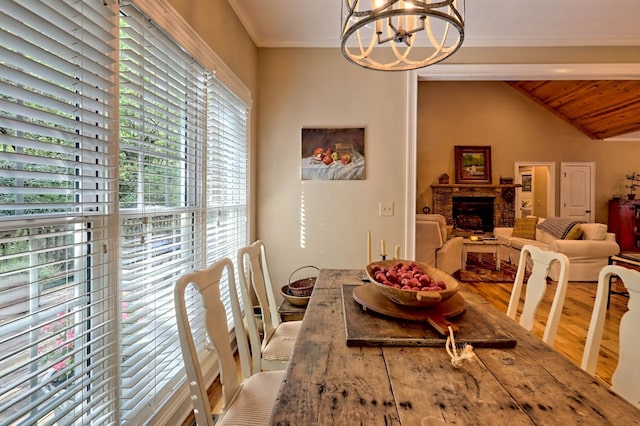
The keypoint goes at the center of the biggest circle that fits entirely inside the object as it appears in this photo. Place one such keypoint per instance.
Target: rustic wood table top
(331, 383)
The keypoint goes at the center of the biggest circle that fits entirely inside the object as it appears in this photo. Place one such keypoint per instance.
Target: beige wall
(325, 223)
(491, 113)
(216, 22)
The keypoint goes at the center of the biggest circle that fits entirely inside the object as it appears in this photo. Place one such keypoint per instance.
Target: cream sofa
(587, 255)
(435, 246)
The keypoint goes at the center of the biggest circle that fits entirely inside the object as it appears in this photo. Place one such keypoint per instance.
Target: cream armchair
(433, 245)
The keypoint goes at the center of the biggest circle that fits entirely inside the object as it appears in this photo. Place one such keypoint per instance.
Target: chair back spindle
(537, 287)
(626, 378)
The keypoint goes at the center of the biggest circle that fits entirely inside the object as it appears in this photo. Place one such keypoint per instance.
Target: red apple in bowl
(410, 283)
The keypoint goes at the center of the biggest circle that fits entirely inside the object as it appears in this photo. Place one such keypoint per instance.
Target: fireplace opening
(473, 213)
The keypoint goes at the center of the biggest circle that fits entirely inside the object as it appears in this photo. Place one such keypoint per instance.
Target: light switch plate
(386, 209)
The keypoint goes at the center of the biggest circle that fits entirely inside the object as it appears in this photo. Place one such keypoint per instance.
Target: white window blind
(227, 177)
(162, 134)
(57, 166)
(99, 215)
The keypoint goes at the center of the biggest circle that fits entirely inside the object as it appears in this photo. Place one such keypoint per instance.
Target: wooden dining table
(411, 380)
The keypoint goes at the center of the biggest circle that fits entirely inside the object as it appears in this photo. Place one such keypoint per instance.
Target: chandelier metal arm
(396, 33)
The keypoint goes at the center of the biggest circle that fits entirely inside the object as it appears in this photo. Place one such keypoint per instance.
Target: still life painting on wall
(333, 154)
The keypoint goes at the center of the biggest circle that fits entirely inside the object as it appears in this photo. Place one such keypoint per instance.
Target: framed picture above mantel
(473, 164)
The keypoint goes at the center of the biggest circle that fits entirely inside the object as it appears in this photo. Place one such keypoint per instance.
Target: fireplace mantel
(474, 185)
(504, 211)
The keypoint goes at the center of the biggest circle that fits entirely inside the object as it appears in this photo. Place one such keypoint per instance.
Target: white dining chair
(626, 377)
(537, 287)
(271, 348)
(246, 402)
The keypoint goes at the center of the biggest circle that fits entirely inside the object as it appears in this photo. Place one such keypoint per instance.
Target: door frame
(478, 72)
(551, 182)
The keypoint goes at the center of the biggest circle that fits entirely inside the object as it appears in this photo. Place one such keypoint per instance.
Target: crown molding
(614, 71)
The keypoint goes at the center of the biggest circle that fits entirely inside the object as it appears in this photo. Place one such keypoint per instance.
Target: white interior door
(577, 190)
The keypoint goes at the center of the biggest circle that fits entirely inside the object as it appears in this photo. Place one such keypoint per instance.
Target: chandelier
(397, 35)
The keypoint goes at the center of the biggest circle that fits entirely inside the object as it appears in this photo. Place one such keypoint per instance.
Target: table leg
(614, 261)
(464, 257)
(610, 262)
(498, 260)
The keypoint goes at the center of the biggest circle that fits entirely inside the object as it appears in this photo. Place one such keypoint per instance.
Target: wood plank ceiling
(600, 109)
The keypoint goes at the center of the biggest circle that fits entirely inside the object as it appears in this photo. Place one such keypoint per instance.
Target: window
(57, 168)
(162, 125)
(108, 193)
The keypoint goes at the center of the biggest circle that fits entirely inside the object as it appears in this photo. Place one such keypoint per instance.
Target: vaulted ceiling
(600, 109)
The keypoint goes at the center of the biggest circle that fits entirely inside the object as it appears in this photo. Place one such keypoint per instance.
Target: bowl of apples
(413, 284)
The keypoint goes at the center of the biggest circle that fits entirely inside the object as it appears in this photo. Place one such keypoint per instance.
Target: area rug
(485, 271)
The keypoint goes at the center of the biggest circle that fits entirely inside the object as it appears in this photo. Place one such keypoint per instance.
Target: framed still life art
(333, 154)
(473, 164)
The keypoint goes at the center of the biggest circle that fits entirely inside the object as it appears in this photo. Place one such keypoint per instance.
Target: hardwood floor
(574, 322)
(572, 331)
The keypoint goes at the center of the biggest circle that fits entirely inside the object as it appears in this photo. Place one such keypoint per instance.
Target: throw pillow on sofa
(575, 233)
(594, 231)
(525, 227)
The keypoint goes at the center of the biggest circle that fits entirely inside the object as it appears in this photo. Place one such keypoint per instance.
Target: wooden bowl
(294, 300)
(411, 297)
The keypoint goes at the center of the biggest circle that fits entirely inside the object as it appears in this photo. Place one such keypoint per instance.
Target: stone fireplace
(493, 205)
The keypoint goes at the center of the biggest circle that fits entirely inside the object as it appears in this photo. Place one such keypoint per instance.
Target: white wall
(325, 223)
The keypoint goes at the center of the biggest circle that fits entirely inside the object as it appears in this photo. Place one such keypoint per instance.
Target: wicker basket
(304, 286)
